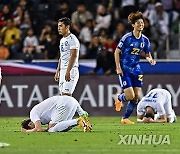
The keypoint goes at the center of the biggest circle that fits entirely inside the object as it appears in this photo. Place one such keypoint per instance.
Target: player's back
(156, 96)
(49, 104)
(46, 105)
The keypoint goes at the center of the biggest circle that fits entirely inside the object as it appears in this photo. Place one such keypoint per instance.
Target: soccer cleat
(126, 121)
(86, 119)
(118, 103)
(84, 123)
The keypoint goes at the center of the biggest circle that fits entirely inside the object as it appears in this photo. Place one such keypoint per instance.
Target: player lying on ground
(57, 112)
(156, 102)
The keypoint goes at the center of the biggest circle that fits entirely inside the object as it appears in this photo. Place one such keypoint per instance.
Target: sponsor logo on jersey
(142, 45)
(66, 43)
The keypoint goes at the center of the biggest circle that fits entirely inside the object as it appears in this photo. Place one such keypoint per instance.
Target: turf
(103, 139)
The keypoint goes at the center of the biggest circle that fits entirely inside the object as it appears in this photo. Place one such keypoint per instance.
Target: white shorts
(68, 87)
(64, 111)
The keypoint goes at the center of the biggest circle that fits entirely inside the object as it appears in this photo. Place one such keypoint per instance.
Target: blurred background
(95, 22)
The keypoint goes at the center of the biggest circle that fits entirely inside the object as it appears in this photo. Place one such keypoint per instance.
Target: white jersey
(159, 100)
(53, 109)
(66, 44)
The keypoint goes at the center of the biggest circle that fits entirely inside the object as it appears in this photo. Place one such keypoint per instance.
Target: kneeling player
(156, 102)
(57, 112)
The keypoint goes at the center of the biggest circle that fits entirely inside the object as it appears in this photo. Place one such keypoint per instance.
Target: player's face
(62, 28)
(139, 25)
(31, 125)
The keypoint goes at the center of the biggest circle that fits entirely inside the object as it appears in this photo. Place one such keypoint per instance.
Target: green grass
(103, 139)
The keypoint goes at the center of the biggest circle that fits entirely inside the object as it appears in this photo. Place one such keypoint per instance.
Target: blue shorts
(131, 80)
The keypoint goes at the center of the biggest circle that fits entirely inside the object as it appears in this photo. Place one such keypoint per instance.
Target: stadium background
(25, 85)
(27, 81)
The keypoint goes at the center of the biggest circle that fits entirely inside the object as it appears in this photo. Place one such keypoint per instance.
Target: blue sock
(122, 97)
(129, 109)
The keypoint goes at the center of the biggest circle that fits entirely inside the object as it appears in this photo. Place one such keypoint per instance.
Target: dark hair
(133, 17)
(149, 112)
(25, 123)
(81, 2)
(66, 21)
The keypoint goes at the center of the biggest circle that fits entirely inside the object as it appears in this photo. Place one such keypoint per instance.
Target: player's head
(136, 20)
(27, 124)
(64, 26)
(149, 112)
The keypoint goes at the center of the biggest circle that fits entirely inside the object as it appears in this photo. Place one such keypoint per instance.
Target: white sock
(63, 126)
(79, 110)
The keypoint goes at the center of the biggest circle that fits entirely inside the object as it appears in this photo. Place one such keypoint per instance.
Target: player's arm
(71, 63)
(117, 61)
(162, 119)
(150, 59)
(140, 118)
(56, 77)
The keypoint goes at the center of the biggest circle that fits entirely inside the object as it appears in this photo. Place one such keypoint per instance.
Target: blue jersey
(131, 49)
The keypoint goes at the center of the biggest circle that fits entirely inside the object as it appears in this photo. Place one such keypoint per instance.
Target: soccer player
(57, 112)
(156, 102)
(67, 71)
(127, 57)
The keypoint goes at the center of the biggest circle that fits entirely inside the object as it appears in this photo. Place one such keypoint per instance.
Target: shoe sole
(127, 123)
(118, 104)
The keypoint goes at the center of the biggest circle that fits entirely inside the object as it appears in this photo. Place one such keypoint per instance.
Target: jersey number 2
(135, 51)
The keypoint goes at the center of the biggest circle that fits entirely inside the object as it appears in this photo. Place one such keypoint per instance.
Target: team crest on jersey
(66, 43)
(142, 45)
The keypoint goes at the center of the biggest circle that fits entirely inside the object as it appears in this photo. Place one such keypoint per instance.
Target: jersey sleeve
(140, 109)
(34, 115)
(74, 43)
(121, 44)
(147, 47)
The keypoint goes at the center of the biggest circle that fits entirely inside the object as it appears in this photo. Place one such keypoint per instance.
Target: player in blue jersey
(127, 57)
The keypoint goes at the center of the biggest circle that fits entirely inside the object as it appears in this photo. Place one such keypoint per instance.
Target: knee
(130, 96)
(136, 97)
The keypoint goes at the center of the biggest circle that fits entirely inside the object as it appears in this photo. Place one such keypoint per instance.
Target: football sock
(122, 97)
(129, 109)
(79, 110)
(63, 126)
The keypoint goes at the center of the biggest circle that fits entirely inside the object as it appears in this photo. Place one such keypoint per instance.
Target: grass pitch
(103, 139)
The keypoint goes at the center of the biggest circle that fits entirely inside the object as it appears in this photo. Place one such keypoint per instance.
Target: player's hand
(23, 130)
(146, 120)
(151, 61)
(56, 77)
(119, 71)
(151, 120)
(67, 76)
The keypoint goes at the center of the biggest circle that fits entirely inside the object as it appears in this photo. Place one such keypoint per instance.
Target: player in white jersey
(57, 112)
(0, 76)
(157, 101)
(67, 71)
